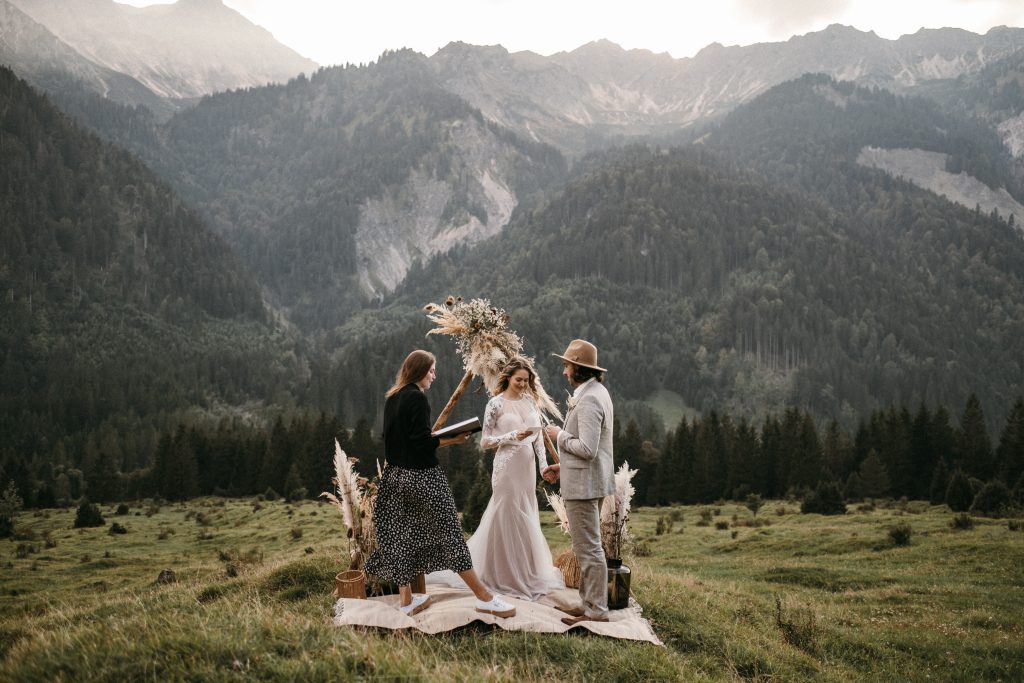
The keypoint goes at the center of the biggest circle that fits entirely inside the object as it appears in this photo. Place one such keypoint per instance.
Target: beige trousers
(585, 526)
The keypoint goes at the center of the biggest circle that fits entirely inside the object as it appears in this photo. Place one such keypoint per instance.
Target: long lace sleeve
(490, 437)
(538, 444)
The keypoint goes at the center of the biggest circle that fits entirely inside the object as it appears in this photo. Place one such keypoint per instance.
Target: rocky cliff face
(416, 220)
(927, 169)
(184, 50)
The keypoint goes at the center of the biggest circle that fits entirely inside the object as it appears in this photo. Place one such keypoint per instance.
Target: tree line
(892, 453)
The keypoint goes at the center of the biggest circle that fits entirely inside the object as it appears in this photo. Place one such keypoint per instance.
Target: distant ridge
(184, 50)
(601, 93)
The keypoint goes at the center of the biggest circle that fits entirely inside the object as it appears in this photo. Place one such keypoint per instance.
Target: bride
(509, 551)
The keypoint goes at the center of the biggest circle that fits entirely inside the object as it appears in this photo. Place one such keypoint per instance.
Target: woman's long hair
(515, 364)
(416, 366)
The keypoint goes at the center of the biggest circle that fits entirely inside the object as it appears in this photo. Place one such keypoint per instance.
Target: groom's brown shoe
(572, 611)
(572, 621)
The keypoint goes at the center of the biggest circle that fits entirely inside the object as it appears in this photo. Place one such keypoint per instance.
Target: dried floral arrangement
(615, 514)
(354, 495)
(615, 508)
(484, 341)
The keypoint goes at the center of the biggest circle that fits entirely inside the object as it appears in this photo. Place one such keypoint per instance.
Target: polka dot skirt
(418, 528)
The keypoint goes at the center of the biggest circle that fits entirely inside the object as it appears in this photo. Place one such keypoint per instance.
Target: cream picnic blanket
(453, 608)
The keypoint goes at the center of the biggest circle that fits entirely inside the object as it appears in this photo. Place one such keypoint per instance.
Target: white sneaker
(420, 601)
(496, 606)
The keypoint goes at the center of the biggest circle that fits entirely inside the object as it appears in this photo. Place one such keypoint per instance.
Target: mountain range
(832, 221)
(580, 99)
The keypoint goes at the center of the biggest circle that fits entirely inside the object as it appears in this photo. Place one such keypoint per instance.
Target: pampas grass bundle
(615, 513)
(355, 497)
(558, 505)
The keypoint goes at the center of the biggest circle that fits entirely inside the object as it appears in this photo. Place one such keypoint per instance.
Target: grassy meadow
(792, 598)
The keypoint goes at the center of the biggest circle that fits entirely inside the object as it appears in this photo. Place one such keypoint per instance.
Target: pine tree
(681, 490)
(88, 515)
(922, 454)
(10, 505)
(278, 457)
(629, 446)
(896, 451)
(992, 500)
(959, 494)
(786, 471)
(293, 488)
(709, 459)
(939, 484)
(660, 491)
(743, 458)
(873, 476)
(837, 450)
(363, 446)
(943, 436)
(974, 448)
(102, 478)
(1010, 453)
(806, 463)
(824, 500)
(770, 453)
(854, 488)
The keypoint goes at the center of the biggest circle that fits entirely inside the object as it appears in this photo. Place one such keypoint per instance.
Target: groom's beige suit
(585, 454)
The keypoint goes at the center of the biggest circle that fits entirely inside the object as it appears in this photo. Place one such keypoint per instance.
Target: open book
(470, 425)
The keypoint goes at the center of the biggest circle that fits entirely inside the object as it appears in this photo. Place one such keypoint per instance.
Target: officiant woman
(418, 529)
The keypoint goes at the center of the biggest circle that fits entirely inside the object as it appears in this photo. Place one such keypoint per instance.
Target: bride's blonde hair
(515, 364)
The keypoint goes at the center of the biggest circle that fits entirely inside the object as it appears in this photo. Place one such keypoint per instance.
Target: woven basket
(570, 568)
(350, 584)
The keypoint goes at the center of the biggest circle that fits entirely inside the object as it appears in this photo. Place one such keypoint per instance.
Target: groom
(585, 456)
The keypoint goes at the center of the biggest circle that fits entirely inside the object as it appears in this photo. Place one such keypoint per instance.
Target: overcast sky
(343, 31)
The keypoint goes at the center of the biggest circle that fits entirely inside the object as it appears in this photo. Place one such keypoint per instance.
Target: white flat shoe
(496, 606)
(420, 601)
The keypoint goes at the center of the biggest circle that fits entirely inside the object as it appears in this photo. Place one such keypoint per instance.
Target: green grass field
(803, 598)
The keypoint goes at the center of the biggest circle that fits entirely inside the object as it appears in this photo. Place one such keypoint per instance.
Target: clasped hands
(551, 473)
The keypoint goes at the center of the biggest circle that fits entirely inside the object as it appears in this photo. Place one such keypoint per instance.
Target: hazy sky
(340, 31)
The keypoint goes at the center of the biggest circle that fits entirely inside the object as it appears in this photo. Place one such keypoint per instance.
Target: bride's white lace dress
(510, 554)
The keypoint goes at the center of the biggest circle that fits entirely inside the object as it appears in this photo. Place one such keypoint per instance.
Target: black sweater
(407, 439)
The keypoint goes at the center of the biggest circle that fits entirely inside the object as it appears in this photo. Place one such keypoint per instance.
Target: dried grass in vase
(615, 514)
(355, 496)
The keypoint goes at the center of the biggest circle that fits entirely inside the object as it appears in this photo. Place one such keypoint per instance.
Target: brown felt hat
(582, 353)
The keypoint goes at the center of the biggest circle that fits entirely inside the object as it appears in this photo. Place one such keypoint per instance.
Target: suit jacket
(585, 445)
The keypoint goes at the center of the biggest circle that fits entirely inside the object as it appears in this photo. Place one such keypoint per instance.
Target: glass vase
(618, 584)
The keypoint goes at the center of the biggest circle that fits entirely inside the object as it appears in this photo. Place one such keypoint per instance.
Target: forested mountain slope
(693, 276)
(961, 270)
(331, 187)
(118, 304)
(995, 94)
